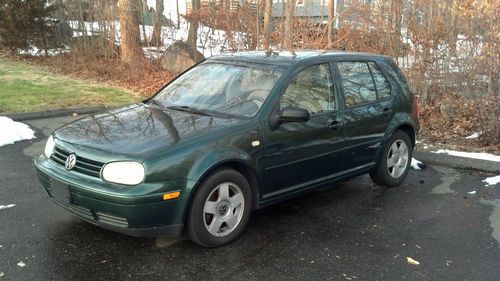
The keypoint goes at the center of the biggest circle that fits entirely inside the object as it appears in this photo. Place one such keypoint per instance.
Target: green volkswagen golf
(233, 134)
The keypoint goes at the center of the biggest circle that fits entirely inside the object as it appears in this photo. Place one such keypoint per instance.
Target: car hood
(139, 130)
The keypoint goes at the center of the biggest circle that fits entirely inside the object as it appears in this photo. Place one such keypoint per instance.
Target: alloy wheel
(397, 158)
(223, 209)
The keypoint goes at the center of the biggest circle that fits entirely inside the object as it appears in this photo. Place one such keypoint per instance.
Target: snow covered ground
(210, 42)
(476, 155)
(12, 131)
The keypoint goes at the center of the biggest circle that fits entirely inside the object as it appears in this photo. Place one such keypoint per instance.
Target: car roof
(287, 58)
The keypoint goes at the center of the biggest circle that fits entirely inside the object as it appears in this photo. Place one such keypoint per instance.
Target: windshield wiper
(189, 109)
(155, 102)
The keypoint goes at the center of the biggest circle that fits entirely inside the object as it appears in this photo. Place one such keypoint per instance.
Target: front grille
(83, 165)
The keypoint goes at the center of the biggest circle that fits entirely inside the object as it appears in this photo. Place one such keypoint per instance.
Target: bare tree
(267, 23)
(193, 25)
(130, 35)
(158, 23)
(178, 14)
(331, 19)
(396, 7)
(290, 11)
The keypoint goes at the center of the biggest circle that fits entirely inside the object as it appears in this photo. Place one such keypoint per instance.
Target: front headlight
(129, 173)
(49, 147)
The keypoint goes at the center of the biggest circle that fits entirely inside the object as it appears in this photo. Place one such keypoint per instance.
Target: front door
(299, 154)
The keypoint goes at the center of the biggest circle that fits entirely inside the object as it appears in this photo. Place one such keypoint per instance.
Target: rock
(179, 57)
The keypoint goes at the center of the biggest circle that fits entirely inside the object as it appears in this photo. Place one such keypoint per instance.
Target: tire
(220, 209)
(394, 154)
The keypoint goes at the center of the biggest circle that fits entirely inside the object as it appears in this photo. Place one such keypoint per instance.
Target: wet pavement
(354, 230)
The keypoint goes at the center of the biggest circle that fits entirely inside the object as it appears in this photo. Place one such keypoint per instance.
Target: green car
(233, 134)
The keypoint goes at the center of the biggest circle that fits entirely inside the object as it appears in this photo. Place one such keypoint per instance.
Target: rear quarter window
(381, 82)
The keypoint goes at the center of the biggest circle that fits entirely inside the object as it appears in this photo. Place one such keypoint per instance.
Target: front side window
(311, 89)
(221, 88)
(357, 83)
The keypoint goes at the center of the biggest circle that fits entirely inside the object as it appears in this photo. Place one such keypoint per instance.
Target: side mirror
(293, 114)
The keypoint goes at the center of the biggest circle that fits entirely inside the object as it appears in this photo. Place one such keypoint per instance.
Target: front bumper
(136, 211)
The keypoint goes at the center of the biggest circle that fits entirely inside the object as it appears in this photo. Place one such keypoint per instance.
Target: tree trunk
(178, 15)
(156, 37)
(267, 23)
(290, 11)
(193, 25)
(130, 35)
(396, 9)
(142, 20)
(331, 19)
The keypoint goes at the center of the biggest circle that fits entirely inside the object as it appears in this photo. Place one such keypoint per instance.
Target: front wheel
(395, 161)
(220, 209)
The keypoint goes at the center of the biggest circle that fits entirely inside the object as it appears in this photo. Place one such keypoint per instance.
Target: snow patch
(3, 207)
(14, 131)
(476, 155)
(492, 180)
(473, 136)
(36, 52)
(415, 164)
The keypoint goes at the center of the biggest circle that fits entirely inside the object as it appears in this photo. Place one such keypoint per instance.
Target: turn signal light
(171, 195)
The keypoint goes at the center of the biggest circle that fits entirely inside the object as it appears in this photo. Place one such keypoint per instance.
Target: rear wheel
(395, 161)
(220, 209)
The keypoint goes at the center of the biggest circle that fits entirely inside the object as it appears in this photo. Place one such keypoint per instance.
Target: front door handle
(334, 124)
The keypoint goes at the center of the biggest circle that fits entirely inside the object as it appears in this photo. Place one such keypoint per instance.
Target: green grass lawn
(25, 88)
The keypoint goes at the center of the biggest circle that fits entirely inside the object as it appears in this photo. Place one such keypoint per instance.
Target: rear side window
(357, 83)
(362, 83)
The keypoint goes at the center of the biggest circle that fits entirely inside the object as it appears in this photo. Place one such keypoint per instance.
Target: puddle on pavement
(35, 149)
(494, 218)
(449, 177)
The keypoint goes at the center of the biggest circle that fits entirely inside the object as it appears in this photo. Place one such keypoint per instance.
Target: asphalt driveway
(351, 231)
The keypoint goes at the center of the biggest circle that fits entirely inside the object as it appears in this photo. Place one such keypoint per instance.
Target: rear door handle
(386, 111)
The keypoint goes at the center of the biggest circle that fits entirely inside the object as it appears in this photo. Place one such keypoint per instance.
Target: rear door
(297, 154)
(368, 108)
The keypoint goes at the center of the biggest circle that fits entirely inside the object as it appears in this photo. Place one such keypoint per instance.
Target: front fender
(210, 161)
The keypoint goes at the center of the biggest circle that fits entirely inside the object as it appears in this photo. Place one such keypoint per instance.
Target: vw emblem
(70, 162)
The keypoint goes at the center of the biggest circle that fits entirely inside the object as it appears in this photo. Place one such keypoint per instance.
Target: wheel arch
(409, 130)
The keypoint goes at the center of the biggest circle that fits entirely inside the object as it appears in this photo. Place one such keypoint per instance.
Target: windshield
(220, 88)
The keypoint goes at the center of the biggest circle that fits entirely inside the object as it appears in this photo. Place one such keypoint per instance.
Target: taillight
(415, 105)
